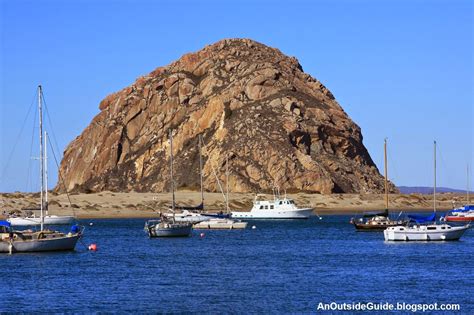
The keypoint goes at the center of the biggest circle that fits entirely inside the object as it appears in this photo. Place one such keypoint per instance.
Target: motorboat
(278, 208)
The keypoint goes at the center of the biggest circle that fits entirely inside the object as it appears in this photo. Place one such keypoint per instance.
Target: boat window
(402, 229)
(291, 202)
(266, 207)
(271, 207)
(261, 207)
(431, 227)
(280, 203)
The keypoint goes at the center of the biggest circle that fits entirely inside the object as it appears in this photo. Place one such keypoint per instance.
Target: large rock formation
(278, 125)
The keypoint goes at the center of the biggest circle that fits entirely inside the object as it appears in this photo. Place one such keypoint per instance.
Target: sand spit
(145, 205)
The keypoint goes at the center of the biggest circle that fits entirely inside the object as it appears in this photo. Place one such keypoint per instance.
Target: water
(281, 266)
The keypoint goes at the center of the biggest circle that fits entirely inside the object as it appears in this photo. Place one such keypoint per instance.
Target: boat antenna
(40, 109)
(386, 174)
(46, 206)
(171, 172)
(434, 187)
(200, 169)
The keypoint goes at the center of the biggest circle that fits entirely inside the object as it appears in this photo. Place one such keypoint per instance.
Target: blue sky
(400, 69)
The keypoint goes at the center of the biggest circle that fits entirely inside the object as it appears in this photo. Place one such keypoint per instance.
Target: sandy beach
(147, 205)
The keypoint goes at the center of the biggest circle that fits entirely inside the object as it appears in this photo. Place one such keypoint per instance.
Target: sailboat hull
(66, 243)
(49, 219)
(442, 232)
(170, 230)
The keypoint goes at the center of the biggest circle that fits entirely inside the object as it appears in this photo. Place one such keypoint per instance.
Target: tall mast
(171, 171)
(46, 206)
(467, 192)
(227, 182)
(40, 110)
(200, 170)
(386, 174)
(434, 187)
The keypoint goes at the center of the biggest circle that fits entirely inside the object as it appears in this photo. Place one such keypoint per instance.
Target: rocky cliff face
(277, 124)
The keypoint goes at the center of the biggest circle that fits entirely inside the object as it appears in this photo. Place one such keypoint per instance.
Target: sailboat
(168, 226)
(48, 219)
(464, 213)
(43, 240)
(378, 221)
(196, 214)
(222, 223)
(424, 228)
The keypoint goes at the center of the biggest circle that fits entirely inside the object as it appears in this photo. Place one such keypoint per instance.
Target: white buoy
(91, 224)
(253, 227)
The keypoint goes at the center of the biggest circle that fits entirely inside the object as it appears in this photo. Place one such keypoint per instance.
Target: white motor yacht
(278, 208)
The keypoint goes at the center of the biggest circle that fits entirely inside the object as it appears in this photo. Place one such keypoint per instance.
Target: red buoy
(93, 247)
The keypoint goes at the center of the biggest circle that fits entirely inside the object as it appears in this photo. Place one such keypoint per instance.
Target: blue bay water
(281, 266)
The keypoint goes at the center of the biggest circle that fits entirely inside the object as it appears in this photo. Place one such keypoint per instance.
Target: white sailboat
(168, 226)
(420, 231)
(222, 223)
(43, 240)
(48, 219)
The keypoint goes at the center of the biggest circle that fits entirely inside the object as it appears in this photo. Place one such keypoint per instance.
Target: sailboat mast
(386, 173)
(227, 182)
(434, 187)
(200, 170)
(468, 188)
(171, 171)
(41, 157)
(46, 173)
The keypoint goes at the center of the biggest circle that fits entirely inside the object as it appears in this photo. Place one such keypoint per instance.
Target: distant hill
(428, 190)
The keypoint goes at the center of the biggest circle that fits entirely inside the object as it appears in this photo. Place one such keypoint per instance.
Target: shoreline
(110, 205)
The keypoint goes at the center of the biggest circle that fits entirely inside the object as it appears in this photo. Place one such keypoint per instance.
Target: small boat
(220, 224)
(425, 228)
(12, 241)
(32, 220)
(37, 241)
(375, 222)
(430, 232)
(167, 226)
(278, 208)
(187, 216)
(196, 214)
(217, 223)
(463, 214)
(378, 221)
